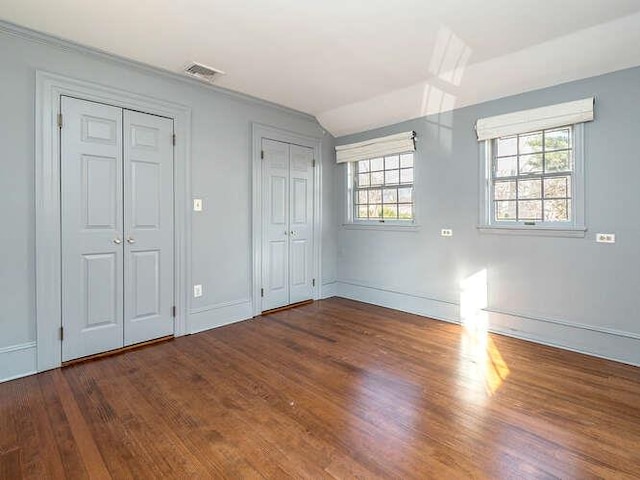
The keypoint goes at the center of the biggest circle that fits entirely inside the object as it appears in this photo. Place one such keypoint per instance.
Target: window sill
(536, 231)
(397, 227)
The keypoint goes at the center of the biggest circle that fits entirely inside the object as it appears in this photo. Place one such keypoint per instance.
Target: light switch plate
(197, 291)
(446, 232)
(197, 204)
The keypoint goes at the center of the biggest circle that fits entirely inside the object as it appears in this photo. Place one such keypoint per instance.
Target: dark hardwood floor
(335, 389)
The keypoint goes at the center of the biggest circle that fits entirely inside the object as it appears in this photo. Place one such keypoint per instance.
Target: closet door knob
(117, 241)
(131, 240)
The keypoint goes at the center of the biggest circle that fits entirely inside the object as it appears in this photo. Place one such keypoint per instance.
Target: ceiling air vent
(202, 72)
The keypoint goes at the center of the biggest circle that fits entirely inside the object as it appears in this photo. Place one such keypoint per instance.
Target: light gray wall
(571, 292)
(220, 168)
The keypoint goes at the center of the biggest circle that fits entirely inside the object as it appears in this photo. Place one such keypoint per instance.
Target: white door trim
(261, 131)
(49, 88)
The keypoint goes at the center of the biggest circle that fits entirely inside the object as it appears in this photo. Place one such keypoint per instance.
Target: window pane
(406, 175)
(391, 177)
(375, 211)
(363, 166)
(404, 195)
(391, 162)
(363, 180)
(375, 196)
(506, 167)
(505, 210)
(362, 211)
(376, 164)
(530, 143)
(557, 161)
(405, 212)
(530, 188)
(362, 196)
(390, 195)
(505, 190)
(557, 139)
(507, 146)
(557, 187)
(390, 211)
(556, 210)
(406, 160)
(530, 210)
(531, 163)
(377, 178)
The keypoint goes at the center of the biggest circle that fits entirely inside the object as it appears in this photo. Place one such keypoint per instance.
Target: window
(532, 177)
(533, 170)
(383, 189)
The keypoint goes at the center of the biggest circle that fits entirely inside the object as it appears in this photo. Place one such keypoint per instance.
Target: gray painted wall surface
(221, 175)
(573, 280)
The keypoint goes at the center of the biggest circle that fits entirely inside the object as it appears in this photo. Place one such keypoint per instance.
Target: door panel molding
(260, 131)
(49, 88)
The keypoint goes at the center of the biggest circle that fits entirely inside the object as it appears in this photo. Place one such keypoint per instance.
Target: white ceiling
(358, 64)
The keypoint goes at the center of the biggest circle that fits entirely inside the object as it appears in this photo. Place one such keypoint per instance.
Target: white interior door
(287, 205)
(148, 227)
(117, 227)
(300, 223)
(275, 227)
(92, 250)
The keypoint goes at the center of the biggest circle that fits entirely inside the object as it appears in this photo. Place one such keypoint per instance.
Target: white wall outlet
(446, 232)
(197, 204)
(197, 291)
(605, 238)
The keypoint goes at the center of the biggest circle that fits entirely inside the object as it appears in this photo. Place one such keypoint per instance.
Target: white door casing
(259, 208)
(50, 87)
(148, 227)
(287, 200)
(92, 255)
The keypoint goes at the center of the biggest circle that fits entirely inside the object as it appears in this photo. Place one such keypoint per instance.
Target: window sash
(356, 189)
(542, 175)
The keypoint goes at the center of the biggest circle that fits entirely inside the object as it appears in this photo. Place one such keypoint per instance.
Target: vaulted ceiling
(358, 64)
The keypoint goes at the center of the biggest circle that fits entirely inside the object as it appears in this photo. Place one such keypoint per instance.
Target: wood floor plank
(335, 389)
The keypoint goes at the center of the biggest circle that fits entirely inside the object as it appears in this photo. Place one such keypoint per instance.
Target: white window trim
(352, 223)
(575, 228)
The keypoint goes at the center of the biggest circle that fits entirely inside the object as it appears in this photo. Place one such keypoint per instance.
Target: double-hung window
(383, 188)
(532, 177)
(380, 187)
(534, 169)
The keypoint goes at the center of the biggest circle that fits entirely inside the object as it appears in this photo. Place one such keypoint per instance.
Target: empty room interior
(324, 240)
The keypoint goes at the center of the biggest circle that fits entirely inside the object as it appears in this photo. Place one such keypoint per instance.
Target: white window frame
(574, 228)
(352, 222)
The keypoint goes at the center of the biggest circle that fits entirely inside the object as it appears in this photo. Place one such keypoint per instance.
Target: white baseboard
(606, 343)
(17, 361)
(328, 290)
(219, 315)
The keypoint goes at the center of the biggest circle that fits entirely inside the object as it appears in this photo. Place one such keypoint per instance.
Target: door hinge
(61, 333)
(173, 138)
(313, 163)
(261, 154)
(173, 311)
(59, 120)
(262, 292)
(313, 282)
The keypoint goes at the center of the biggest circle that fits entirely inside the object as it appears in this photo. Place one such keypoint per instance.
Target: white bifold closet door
(287, 249)
(117, 227)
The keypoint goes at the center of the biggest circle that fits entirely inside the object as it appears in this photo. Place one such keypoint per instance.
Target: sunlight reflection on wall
(448, 63)
(480, 359)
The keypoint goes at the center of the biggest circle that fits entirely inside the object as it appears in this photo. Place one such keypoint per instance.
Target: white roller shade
(559, 115)
(376, 147)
